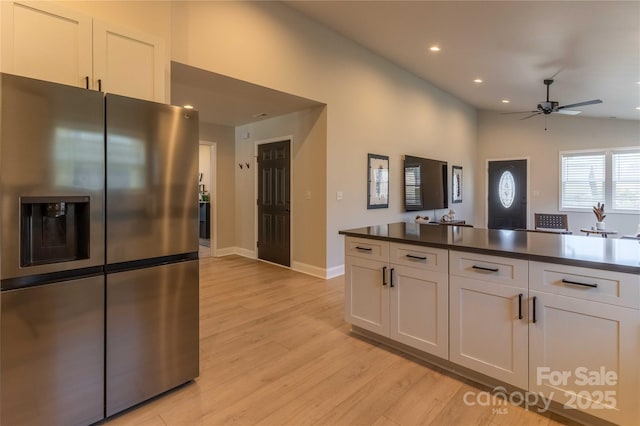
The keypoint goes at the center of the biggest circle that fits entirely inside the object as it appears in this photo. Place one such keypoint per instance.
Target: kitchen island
(534, 312)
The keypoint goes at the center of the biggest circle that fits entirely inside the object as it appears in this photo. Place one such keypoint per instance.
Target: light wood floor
(275, 350)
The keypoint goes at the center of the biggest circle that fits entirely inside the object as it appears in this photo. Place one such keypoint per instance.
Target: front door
(507, 194)
(274, 203)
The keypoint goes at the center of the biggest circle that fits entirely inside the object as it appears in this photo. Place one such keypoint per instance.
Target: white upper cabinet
(49, 42)
(127, 63)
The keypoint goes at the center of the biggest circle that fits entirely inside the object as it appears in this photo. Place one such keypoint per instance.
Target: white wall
(373, 106)
(307, 130)
(505, 136)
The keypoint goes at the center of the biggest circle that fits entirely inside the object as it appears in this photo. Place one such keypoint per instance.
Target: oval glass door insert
(506, 189)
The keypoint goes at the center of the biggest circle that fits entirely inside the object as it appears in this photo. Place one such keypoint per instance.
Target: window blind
(412, 195)
(583, 180)
(625, 180)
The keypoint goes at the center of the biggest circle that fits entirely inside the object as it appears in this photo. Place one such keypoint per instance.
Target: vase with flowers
(598, 210)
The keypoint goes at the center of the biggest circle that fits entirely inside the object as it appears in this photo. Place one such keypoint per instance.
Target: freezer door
(51, 145)
(52, 354)
(152, 180)
(152, 332)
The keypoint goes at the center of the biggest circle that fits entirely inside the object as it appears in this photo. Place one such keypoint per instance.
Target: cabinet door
(572, 339)
(128, 63)
(419, 309)
(367, 294)
(47, 42)
(486, 333)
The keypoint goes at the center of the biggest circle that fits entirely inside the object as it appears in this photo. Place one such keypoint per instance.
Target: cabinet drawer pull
(534, 309)
(86, 82)
(417, 257)
(520, 306)
(484, 268)
(364, 248)
(391, 277)
(99, 85)
(565, 281)
(384, 275)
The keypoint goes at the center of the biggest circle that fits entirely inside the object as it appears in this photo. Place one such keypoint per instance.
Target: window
(625, 191)
(612, 178)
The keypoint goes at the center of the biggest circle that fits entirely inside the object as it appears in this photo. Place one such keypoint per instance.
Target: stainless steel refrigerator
(51, 253)
(92, 325)
(152, 249)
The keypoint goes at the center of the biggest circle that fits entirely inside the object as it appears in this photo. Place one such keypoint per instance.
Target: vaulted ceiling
(590, 48)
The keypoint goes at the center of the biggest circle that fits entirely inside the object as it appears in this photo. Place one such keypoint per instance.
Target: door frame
(213, 195)
(288, 138)
(486, 187)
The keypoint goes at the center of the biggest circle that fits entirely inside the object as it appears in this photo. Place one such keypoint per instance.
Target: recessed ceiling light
(505, 101)
(434, 48)
(638, 108)
(477, 80)
(188, 106)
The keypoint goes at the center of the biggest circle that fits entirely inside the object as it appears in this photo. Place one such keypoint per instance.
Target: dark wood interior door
(507, 194)
(274, 202)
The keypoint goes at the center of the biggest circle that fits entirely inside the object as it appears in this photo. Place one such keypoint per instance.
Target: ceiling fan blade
(532, 115)
(518, 112)
(594, 101)
(567, 112)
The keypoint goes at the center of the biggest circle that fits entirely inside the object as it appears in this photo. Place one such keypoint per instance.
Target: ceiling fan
(547, 107)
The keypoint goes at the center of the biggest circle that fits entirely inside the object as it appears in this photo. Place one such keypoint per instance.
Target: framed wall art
(377, 181)
(456, 184)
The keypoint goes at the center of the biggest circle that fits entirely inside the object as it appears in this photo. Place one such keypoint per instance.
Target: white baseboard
(227, 251)
(304, 268)
(336, 271)
(309, 269)
(245, 252)
(224, 251)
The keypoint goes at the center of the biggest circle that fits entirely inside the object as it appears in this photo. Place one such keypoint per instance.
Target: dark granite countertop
(612, 254)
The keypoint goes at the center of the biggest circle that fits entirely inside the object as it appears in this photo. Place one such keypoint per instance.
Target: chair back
(551, 221)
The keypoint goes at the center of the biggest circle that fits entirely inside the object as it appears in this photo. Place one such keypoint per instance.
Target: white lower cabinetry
(366, 298)
(569, 333)
(408, 304)
(583, 352)
(488, 322)
(487, 334)
(418, 311)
